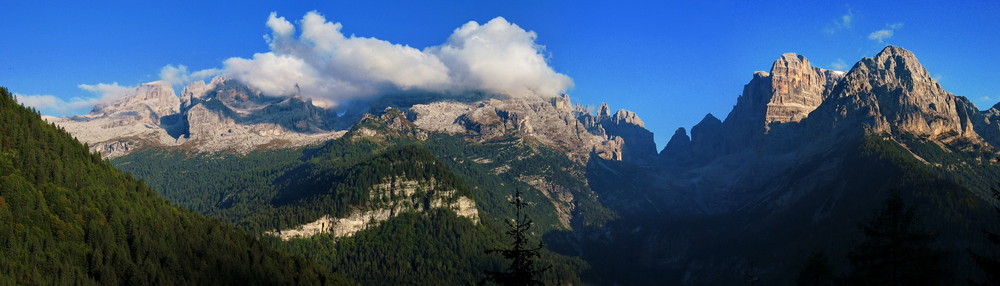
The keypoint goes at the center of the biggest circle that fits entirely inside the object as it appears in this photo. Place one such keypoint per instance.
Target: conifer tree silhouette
(522, 270)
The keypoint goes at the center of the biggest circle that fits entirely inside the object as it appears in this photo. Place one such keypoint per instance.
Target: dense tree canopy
(69, 218)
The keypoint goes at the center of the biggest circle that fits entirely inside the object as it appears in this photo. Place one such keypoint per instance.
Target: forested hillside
(267, 191)
(69, 218)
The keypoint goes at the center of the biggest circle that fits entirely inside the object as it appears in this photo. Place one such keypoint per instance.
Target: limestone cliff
(787, 94)
(893, 94)
(224, 115)
(552, 122)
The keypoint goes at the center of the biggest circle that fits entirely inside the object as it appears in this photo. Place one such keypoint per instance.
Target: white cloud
(178, 76)
(273, 74)
(839, 65)
(880, 35)
(842, 23)
(326, 65)
(883, 34)
(106, 93)
(501, 57)
(52, 105)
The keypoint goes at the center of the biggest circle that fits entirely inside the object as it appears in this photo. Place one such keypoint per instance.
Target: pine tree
(990, 265)
(522, 270)
(896, 250)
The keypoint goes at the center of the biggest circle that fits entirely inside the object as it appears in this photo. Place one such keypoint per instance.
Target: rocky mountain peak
(195, 90)
(787, 94)
(562, 103)
(679, 145)
(627, 117)
(147, 103)
(896, 68)
(603, 112)
(892, 93)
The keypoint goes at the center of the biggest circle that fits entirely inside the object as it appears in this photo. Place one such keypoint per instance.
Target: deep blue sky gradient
(670, 61)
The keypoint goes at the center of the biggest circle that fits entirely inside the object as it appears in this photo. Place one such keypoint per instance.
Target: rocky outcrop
(224, 115)
(892, 93)
(636, 144)
(708, 139)
(786, 94)
(639, 145)
(392, 197)
(392, 123)
(440, 116)
(552, 122)
(986, 123)
(228, 115)
(679, 146)
(797, 89)
(145, 104)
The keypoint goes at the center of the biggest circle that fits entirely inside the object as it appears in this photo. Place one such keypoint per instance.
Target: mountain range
(407, 181)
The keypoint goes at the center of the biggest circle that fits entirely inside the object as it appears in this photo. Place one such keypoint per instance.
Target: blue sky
(670, 62)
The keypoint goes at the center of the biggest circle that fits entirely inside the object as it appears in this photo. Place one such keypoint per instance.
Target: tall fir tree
(522, 270)
(896, 249)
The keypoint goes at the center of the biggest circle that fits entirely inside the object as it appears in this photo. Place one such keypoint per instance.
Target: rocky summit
(226, 115)
(553, 122)
(223, 115)
(892, 93)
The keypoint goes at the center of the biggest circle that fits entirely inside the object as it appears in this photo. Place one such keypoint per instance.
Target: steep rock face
(636, 142)
(394, 196)
(788, 94)
(639, 144)
(195, 91)
(679, 146)
(986, 123)
(892, 93)
(440, 116)
(144, 104)
(553, 122)
(707, 138)
(224, 115)
(797, 88)
(392, 123)
(128, 123)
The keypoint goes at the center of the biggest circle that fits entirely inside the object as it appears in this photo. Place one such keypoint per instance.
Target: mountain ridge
(803, 146)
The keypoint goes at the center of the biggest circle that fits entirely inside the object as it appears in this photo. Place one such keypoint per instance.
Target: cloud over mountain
(318, 61)
(103, 93)
(324, 64)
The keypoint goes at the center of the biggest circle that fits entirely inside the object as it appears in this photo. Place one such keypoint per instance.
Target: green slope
(264, 191)
(69, 218)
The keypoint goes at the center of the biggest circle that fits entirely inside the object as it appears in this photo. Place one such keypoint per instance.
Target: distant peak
(625, 116)
(790, 62)
(894, 63)
(889, 51)
(603, 112)
(158, 83)
(791, 57)
(709, 117)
